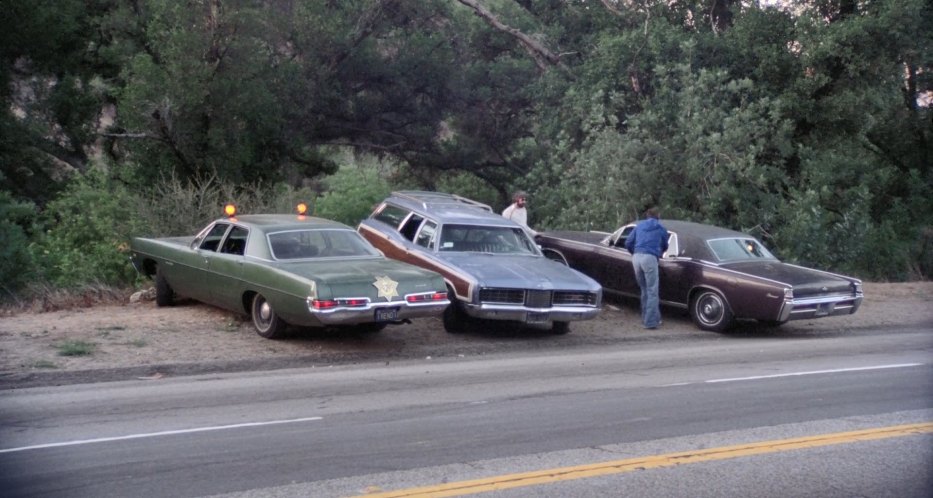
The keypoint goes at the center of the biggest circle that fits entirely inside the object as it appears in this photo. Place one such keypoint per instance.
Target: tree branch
(542, 56)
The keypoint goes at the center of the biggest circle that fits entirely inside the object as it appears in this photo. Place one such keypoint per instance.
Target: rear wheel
(165, 295)
(265, 320)
(710, 311)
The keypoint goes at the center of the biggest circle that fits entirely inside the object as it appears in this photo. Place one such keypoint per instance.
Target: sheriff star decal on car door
(387, 287)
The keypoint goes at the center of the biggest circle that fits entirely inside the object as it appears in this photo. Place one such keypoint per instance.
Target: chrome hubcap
(710, 309)
(265, 311)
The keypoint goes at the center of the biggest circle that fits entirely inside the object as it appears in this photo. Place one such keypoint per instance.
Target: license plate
(536, 317)
(824, 309)
(386, 314)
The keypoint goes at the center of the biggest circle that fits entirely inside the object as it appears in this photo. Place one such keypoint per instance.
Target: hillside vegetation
(805, 123)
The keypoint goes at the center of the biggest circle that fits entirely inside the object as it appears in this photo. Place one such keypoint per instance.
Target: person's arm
(630, 241)
(664, 240)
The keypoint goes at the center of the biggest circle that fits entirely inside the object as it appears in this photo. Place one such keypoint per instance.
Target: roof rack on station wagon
(426, 198)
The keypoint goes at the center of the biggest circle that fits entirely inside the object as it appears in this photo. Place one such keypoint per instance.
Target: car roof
(419, 200)
(271, 222)
(700, 230)
(448, 208)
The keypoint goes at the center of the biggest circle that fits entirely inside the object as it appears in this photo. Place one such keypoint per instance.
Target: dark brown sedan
(719, 275)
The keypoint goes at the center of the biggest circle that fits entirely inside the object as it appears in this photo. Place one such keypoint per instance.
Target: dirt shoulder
(143, 341)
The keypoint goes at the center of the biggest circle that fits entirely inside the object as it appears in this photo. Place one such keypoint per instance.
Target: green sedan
(289, 269)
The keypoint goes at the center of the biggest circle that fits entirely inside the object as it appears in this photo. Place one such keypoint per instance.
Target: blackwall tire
(710, 311)
(266, 322)
(560, 328)
(455, 320)
(165, 295)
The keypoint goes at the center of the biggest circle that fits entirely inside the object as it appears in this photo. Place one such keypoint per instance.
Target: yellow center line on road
(538, 477)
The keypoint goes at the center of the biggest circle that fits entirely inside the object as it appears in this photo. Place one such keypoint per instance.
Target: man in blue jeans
(647, 243)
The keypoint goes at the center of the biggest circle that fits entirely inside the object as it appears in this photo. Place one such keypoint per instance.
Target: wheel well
(149, 267)
(451, 291)
(697, 290)
(248, 301)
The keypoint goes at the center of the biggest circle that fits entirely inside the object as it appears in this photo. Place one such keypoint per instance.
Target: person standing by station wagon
(647, 243)
(517, 211)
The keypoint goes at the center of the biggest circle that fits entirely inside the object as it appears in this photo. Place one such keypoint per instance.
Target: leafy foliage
(352, 193)
(805, 126)
(88, 231)
(17, 227)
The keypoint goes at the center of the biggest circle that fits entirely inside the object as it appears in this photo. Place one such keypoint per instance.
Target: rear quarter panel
(748, 296)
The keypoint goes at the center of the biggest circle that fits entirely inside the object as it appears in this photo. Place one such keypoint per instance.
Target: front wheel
(710, 311)
(455, 319)
(560, 328)
(267, 323)
(165, 295)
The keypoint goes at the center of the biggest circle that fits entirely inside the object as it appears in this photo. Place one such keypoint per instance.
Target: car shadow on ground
(742, 329)
(502, 329)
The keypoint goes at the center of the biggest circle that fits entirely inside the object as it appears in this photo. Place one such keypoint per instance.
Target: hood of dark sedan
(519, 271)
(805, 281)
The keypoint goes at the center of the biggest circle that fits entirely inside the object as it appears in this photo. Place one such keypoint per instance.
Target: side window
(391, 215)
(673, 248)
(623, 235)
(411, 226)
(235, 242)
(213, 237)
(425, 237)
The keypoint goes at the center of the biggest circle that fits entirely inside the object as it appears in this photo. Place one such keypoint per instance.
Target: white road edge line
(814, 372)
(156, 434)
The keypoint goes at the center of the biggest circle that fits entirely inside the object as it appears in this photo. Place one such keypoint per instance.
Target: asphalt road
(787, 407)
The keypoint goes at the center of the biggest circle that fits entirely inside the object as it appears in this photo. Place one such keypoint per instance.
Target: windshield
(739, 249)
(307, 244)
(478, 238)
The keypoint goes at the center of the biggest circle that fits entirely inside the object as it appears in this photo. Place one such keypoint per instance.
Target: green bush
(352, 193)
(88, 229)
(17, 224)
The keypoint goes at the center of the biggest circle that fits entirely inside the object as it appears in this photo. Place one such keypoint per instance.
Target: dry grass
(39, 298)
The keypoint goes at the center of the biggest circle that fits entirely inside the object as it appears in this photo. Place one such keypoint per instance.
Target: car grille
(510, 296)
(538, 298)
(574, 298)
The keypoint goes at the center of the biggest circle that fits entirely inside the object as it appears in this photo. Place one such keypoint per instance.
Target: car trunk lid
(805, 281)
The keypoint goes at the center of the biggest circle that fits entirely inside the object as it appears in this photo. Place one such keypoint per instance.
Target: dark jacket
(649, 237)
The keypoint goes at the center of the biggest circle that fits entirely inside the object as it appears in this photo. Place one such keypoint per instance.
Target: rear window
(739, 249)
(312, 244)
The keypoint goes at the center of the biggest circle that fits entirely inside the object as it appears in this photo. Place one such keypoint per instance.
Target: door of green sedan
(199, 279)
(226, 269)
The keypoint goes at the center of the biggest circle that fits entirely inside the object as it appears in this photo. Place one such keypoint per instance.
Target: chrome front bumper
(530, 315)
